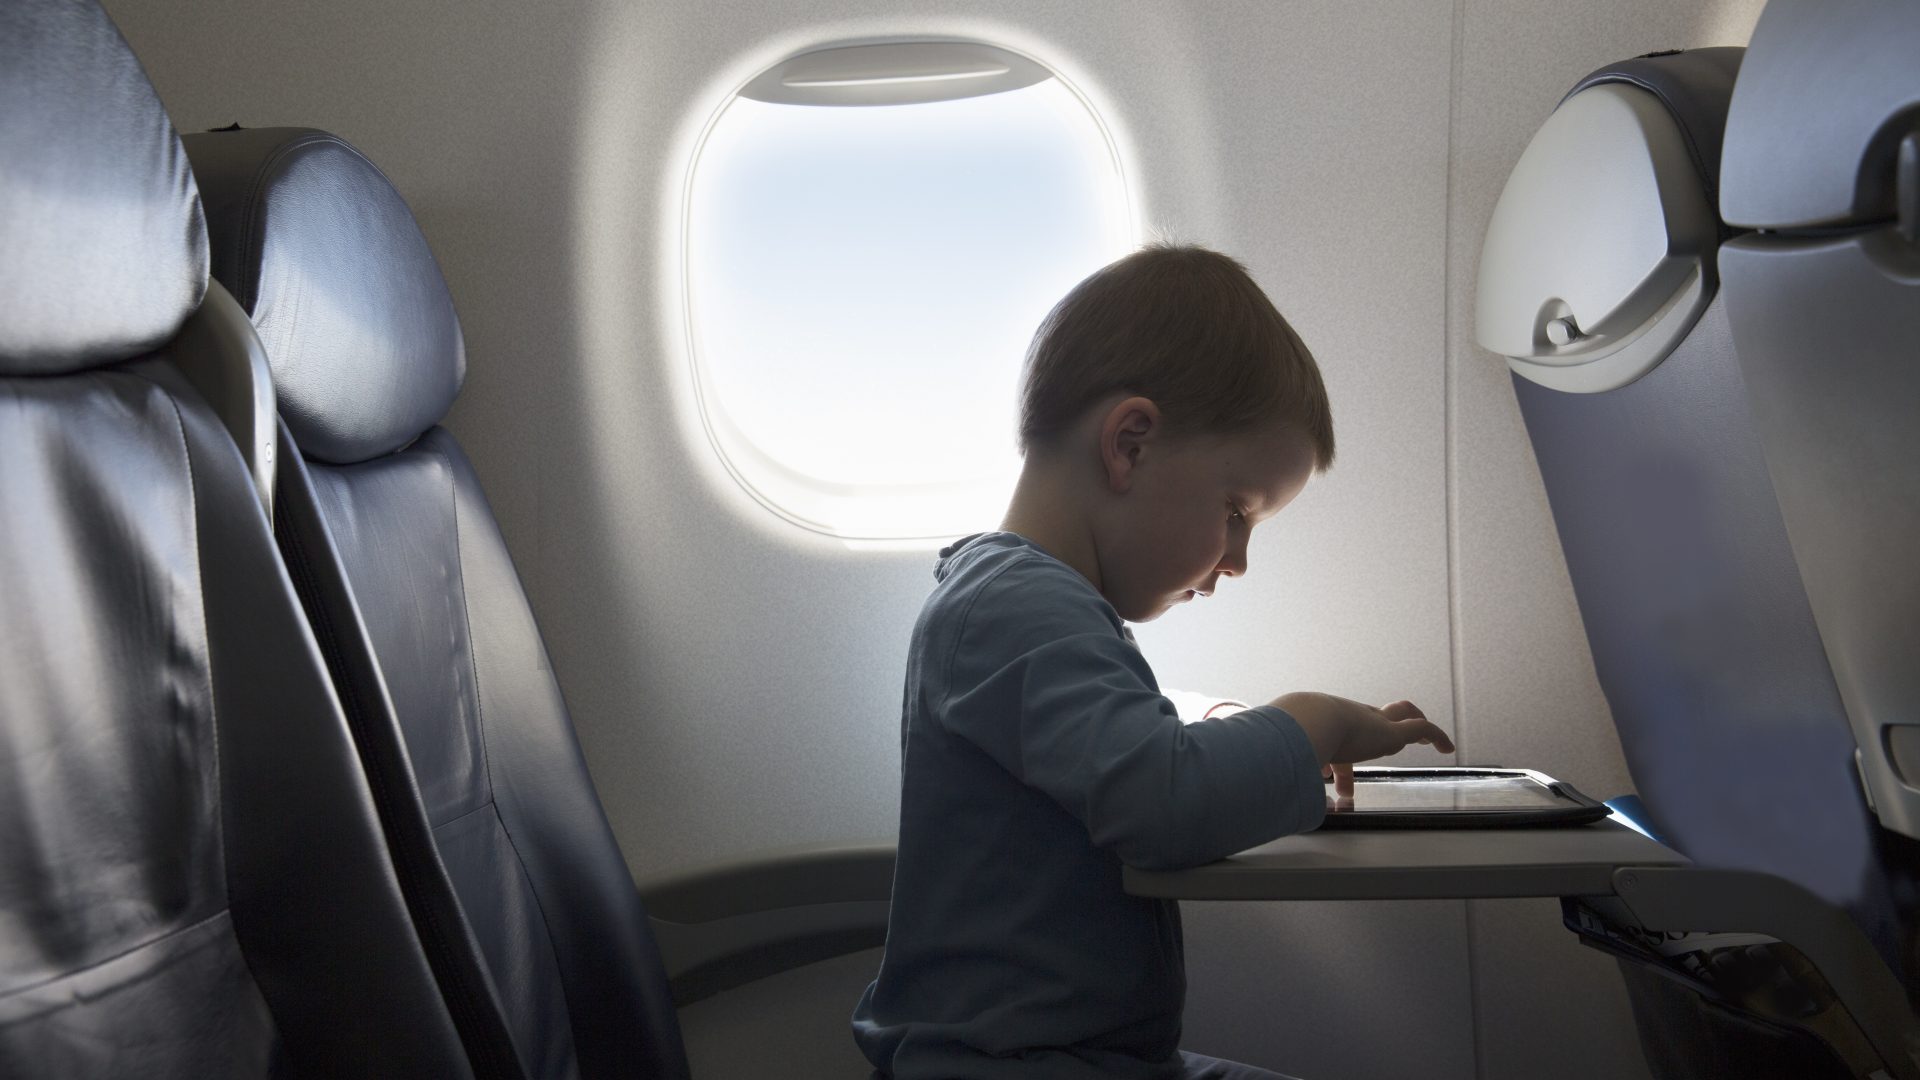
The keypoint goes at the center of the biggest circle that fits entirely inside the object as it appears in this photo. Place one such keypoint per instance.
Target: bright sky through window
(863, 282)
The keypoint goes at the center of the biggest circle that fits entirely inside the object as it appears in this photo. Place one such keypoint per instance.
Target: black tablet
(1386, 798)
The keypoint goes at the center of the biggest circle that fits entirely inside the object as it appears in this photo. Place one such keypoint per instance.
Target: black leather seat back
(192, 880)
(429, 614)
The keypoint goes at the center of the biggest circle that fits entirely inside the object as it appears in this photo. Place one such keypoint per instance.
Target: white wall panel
(735, 681)
(1366, 990)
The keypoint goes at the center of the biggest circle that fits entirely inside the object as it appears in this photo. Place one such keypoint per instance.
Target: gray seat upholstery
(405, 575)
(1823, 154)
(1702, 635)
(193, 881)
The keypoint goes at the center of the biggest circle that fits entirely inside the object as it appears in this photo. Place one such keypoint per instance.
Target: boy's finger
(1402, 710)
(1427, 731)
(1342, 781)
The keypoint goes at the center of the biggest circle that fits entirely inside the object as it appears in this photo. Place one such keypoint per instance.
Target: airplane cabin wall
(735, 681)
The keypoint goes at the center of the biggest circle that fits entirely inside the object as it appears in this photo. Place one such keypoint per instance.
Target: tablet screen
(1414, 793)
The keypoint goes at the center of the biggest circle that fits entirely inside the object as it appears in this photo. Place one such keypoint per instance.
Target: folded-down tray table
(1606, 866)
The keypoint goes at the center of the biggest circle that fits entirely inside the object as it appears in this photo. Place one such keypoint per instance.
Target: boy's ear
(1125, 432)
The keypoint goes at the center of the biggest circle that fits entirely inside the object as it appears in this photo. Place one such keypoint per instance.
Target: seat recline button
(1563, 331)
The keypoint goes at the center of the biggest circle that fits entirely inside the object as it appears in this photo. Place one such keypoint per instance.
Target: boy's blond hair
(1185, 327)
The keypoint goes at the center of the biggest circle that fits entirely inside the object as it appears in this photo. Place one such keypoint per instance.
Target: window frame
(718, 428)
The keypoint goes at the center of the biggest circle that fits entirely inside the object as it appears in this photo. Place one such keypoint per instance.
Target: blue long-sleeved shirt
(1039, 757)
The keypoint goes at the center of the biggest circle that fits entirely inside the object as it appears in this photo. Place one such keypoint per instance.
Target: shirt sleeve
(1054, 695)
(1193, 705)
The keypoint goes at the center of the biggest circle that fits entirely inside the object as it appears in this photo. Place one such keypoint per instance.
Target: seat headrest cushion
(103, 252)
(325, 256)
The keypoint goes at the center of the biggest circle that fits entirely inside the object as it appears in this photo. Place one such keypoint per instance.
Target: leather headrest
(328, 261)
(103, 252)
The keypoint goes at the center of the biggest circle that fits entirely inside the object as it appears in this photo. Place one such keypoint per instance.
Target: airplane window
(864, 273)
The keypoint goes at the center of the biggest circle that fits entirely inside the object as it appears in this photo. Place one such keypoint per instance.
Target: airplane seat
(193, 882)
(404, 570)
(1822, 161)
(408, 582)
(1598, 284)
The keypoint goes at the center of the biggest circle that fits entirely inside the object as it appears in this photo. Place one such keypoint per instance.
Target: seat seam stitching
(457, 818)
(380, 786)
(176, 932)
(479, 712)
(466, 617)
(213, 702)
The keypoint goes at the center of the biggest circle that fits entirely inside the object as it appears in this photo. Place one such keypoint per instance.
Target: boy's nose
(1234, 562)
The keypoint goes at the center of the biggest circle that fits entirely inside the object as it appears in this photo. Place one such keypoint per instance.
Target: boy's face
(1185, 508)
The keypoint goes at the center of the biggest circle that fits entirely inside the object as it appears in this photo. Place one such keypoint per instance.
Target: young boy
(1167, 410)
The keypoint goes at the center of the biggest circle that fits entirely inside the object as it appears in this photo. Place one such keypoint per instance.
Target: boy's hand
(1344, 732)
